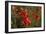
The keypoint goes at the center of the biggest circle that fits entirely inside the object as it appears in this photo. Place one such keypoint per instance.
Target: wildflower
(36, 17)
(26, 20)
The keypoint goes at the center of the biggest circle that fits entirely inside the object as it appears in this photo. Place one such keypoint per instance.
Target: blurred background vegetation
(16, 19)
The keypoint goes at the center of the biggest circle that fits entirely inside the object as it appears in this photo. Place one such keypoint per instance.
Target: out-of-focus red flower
(36, 17)
(22, 13)
(26, 20)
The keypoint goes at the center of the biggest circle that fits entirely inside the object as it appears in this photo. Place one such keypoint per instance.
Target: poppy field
(25, 16)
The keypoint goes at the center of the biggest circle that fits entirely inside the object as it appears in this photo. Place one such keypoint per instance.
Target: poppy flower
(22, 13)
(36, 17)
(26, 20)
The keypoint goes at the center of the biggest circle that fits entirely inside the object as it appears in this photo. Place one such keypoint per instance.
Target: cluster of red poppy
(26, 21)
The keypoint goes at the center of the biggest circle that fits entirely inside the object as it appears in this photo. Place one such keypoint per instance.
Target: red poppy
(36, 17)
(26, 20)
(22, 13)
